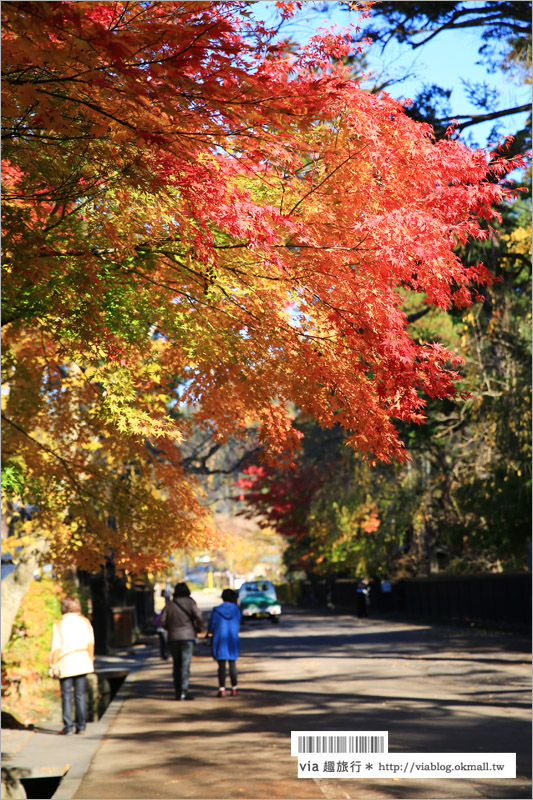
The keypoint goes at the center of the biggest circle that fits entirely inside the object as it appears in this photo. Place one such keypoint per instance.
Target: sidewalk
(56, 764)
(40, 754)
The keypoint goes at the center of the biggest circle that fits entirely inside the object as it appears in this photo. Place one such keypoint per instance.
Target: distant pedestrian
(161, 632)
(182, 619)
(362, 598)
(71, 659)
(224, 625)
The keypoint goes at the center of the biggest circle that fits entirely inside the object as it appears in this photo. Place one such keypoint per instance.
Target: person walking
(182, 619)
(161, 632)
(362, 598)
(224, 625)
(71, 660)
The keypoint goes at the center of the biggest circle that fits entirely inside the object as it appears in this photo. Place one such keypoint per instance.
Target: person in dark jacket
(362, 598)
(224, 624)
(182, 619)
(161, 632)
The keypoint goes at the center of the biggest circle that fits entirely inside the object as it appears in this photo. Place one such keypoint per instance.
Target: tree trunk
(17, 583)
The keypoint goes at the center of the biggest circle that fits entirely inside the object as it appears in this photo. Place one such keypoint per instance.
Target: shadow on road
(361, 639)
(476, 722)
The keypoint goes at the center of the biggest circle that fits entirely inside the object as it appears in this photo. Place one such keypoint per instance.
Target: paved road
(432, 689)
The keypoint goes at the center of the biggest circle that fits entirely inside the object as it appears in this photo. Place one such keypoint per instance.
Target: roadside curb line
(73, 778)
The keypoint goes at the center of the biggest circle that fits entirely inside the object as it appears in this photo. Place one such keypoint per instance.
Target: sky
(447, 59)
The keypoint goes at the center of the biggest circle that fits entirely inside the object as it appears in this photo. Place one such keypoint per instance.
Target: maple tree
(325, 505)
(463, 501)
(196, 212)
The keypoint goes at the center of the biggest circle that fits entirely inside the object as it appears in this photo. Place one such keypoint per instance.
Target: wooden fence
(500, 598)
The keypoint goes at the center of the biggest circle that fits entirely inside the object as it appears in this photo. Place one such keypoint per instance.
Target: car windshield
(257, 586)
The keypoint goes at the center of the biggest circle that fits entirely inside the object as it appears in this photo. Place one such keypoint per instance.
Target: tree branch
(417, 314)
(474, 119)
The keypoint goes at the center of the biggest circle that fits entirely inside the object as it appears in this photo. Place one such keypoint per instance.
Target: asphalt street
(434, 689)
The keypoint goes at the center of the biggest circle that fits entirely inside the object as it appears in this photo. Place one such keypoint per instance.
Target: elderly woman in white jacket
(71, 659)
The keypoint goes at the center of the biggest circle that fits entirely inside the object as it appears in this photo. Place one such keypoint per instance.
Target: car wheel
(274, 620)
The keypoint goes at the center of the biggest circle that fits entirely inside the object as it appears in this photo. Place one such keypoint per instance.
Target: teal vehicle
(258, 605)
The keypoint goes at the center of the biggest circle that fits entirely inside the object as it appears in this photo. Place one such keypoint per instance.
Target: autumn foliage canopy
(196, 211)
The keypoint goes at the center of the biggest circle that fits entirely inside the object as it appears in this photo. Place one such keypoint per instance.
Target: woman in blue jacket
(224, 626)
